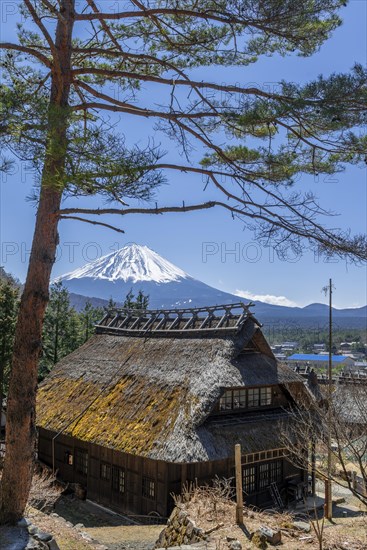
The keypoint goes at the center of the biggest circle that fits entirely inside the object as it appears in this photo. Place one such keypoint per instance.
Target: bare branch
(24, 49)
(148, 13)
(54, 11)
(115, 105)
(44, 31)
(123, 212)
(346, 425)
(174, 82)
(92, 222)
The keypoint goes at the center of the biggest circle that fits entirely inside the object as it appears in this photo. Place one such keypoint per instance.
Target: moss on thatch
(151, 396)
(105, 421)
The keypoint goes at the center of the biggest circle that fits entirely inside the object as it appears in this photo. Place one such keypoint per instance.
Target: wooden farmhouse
(159, 398)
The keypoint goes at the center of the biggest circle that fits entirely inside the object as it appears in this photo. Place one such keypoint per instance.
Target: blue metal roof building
(314, 357)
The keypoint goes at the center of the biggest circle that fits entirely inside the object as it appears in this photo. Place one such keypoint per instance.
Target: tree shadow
(340, 511)
(245, 531)
(90, 515)
(14, 537)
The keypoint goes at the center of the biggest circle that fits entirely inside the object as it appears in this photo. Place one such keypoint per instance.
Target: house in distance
(304, 362)
(159, 398)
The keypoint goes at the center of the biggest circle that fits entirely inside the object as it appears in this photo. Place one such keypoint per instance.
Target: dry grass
(210, 503)
(45, 490)
(213, 511)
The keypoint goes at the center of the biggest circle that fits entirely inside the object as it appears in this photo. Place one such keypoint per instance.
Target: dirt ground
(351, 531)
(347, 531)
(82, 525)
(133, 537)
(100, 529)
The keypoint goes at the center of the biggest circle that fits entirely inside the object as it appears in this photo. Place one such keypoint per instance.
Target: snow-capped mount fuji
(135, 267)
(132, 263)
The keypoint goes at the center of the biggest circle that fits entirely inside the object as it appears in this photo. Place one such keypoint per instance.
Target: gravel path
(134, 537)
(88, 513)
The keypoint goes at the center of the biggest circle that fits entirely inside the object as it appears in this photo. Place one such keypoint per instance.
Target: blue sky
(209, 245)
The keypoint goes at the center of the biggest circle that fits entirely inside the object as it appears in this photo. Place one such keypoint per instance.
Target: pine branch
(278, 24)
(277, 221)
(292, 110)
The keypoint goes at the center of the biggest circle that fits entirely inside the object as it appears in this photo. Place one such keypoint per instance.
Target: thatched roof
(151, 396)
(254, 433)
(350, 402)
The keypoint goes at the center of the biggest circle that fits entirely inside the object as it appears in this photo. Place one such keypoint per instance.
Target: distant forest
(307, 337)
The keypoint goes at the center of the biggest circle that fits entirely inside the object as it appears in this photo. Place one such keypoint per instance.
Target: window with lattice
(259, 476)
(118, 479)
(242, 398)
(148, 488)
(105, 471)
(249, 480)
(81, 461)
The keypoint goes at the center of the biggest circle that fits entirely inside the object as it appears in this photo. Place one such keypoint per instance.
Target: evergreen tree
(59, 78)
(73, 337)
(9, 296)
(64, 329)
(59, 336)
(111, 304)
(4, 276)
(141, 301)
(89, 316)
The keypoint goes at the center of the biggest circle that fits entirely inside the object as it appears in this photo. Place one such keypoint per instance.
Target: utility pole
(238, 474)
(328, 491)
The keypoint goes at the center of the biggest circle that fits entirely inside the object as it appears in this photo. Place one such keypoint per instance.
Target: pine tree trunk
(20, 430)
(21, 421)
(56, 339)
(2, 372)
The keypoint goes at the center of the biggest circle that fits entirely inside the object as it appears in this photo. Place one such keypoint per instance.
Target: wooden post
(326, 489)
(313, 467)
(328, 486)
(239, 494)
(354, 480)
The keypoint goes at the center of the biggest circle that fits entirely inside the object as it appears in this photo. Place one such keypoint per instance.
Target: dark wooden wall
(100, 490)
(205, 472)
(168, 478)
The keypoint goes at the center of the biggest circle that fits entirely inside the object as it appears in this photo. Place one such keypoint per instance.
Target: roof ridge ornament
(204, 309)
(222, 317)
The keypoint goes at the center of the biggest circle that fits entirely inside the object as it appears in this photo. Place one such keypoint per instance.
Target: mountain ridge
(136, 267)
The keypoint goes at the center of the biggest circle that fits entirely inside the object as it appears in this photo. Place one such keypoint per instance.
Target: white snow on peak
(131, 263)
